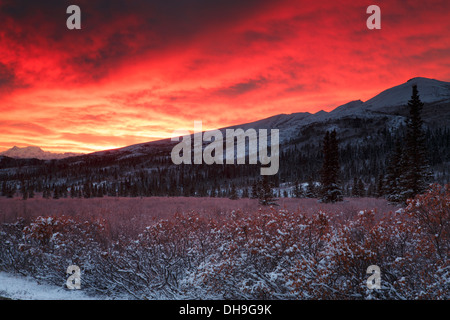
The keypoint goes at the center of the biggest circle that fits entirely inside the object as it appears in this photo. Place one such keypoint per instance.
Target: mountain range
(367, 133)
(388, 106)
(36, 153)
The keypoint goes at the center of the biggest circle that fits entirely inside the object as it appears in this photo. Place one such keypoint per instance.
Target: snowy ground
(20, 288)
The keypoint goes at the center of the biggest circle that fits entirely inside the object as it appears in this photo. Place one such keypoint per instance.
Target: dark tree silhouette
(415, 176)
(330, 188)
(408, 171)
(265, 192)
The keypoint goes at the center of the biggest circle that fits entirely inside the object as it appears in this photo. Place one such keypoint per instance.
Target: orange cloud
(139, 70)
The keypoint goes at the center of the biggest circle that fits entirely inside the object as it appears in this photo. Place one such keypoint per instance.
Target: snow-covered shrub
(255, 252)
(262, 254)
(48, 245)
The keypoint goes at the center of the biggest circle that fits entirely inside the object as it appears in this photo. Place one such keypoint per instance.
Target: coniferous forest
(395, 163)
(224, 150)
(320, 248)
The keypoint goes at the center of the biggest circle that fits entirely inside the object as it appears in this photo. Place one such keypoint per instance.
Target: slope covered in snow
(430, 90)
(34, 152)
(20, 288)
(384, 105)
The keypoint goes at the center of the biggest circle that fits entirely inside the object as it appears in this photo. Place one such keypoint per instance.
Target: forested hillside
(367, 136)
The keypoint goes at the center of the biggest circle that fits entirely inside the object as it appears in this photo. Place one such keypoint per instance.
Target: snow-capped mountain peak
(430, 90)
(34, 152)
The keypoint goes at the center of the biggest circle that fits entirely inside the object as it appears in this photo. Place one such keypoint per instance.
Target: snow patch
(17, 287)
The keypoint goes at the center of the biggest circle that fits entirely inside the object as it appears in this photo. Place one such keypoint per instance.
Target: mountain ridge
(367, 134)
(431, 91)
(34, 152)
(384, 104)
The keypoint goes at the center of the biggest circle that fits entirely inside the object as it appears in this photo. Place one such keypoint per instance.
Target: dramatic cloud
(137, 70)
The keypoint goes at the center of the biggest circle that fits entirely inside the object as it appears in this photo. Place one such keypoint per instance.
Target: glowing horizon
(139, 70)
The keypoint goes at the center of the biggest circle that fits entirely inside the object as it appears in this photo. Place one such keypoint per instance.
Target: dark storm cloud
(8, 79)
(114, 30)
(138, 69)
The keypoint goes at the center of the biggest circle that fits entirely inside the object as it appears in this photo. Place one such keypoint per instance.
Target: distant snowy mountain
(386, 108)
(34, 153)
(430, 90)
(387, 105)
(367, 133)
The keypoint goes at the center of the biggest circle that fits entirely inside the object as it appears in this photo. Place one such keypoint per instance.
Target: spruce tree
(30, 192)
(233, 192)
(355, 188)
(245, 192)
(311, 188)
(415, 175)
(87, 191)
(56, 192)
(379, 187)
(298, 190)
(265, 192)
(73, 192)
(407, 173)
(361, 188)
(330, 189)
(392, 184)
(255, 189)
(46, 193)
(371, 190)
(24, 192)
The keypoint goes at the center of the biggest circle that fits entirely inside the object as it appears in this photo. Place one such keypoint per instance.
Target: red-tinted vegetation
(271, 253)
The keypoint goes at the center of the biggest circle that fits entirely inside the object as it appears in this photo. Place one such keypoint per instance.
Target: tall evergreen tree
(46, 193)
(415, 175)
(379, 187)
(73, 192)
(330, 188)
(30, 192)
(233, 192)
(255, 189)
(361, 188)
(311, 191)
(298, 190)
(87, 190)
(245, 192)
(392, 184)
(56, 192)
(265, 192)
(355, 188)
(407, 173)
(24, 192)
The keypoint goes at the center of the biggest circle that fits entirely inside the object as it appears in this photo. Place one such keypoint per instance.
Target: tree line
(390, 163)
(408, 172)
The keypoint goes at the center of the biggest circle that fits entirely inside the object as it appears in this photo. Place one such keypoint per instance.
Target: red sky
(140, 69)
